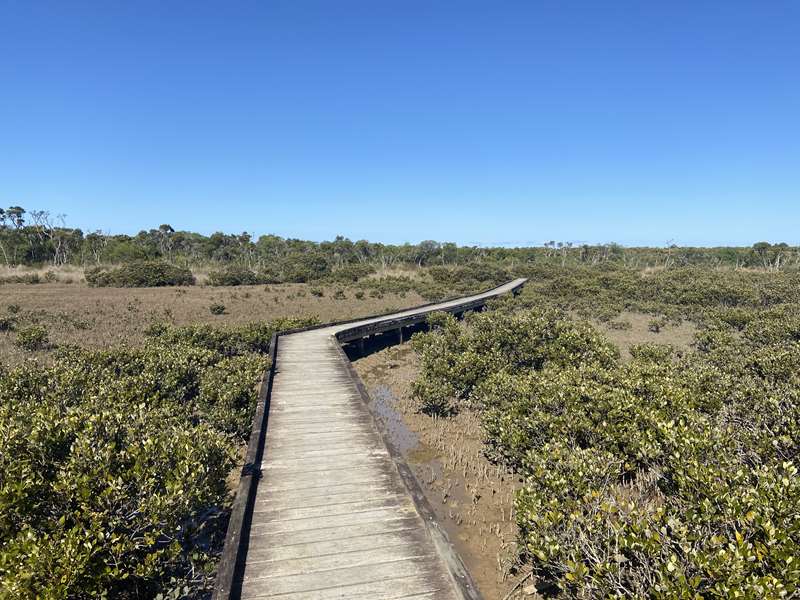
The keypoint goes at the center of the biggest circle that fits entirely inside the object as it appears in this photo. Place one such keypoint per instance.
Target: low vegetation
(150, 273)
(32, 337)
(673, 475)
(235, 275)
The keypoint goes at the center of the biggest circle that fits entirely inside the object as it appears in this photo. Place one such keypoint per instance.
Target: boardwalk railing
(232, 563)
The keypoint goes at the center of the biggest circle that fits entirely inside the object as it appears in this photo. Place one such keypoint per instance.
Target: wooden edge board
(234, 553)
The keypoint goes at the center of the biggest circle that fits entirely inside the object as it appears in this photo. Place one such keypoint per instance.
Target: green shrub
(234, 275)
(388, 285)
(657, 324)
(433, 292)
(339, 295)
(140, 274)
(7, 323)
(226, 392)
(117, 485)
(350, 273)
(13, 309)
(32, 337)
(455, 359)
(359, 295)
(217, 309)
(317, 292)
(230, 341)
(470, 278)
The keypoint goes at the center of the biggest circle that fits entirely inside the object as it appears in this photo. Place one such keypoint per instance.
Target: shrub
(390, 284)
(339, 295)
(234, 275)
(432, 292)
(317, 292)
(657, 324)
(217, 309)
(7, 323)
(32, 337)
(230, 341)
(117, 485)
(13, 309)
(456, 359)
(140, 274)
(350, 273)
(30, 278)
(226, 392)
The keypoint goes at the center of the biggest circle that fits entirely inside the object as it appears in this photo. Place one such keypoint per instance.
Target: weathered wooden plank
(262, 539)
(405, 586)
(368, 572)
(407, 537)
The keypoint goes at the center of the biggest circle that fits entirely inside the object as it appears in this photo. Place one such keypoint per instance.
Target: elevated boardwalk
(327, 508)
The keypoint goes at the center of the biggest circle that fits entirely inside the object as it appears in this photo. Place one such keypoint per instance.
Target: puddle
(401, 436)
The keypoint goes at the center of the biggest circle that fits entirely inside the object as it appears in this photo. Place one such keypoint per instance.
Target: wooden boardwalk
(336, 512)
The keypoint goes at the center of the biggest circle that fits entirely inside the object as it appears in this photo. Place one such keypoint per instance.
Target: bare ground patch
(632, 328)
(104, 317)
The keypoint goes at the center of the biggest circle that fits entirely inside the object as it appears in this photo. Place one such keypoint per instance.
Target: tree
(164, 236)
(426, 252)
(96, 242)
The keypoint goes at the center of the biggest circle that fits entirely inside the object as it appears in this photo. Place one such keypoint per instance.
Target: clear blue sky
(477, 122)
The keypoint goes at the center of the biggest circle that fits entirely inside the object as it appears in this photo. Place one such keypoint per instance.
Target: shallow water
(400, 436)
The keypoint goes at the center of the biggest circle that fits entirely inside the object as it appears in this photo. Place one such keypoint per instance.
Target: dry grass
(103, 317)
(679, 336)
(410, 272)
(67, 274)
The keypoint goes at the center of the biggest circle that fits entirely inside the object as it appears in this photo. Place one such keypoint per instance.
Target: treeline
(37, 238)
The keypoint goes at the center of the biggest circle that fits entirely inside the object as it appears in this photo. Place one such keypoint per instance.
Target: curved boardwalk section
(336, 512)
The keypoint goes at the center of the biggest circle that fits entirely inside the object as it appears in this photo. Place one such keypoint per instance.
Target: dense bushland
(150, 273)
(36, 238)
(113, 464)
(235, 275)
(671, 476)
(697, 293)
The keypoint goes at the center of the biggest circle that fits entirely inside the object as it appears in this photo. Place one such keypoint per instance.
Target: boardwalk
(336, 513)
